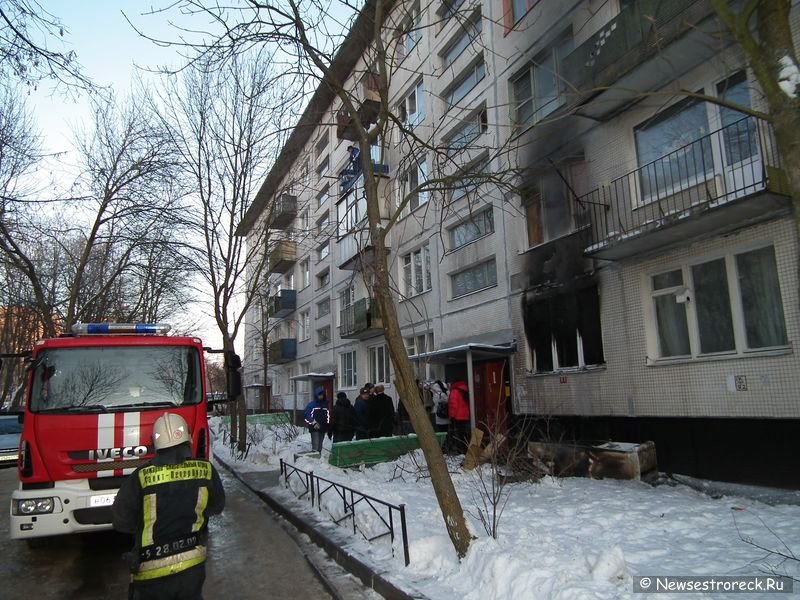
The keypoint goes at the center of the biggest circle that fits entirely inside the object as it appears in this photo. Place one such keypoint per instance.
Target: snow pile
(559, 538)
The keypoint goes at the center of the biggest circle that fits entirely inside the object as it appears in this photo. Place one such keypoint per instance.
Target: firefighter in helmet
(165, 505)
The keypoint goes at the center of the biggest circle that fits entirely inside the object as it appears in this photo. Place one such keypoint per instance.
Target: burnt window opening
(564, 331)
(549, 204)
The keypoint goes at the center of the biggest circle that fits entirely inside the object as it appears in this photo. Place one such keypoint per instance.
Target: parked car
(10, 430)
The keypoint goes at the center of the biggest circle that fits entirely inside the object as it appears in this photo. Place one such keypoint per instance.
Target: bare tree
(80, 267)
(220, 124)
(28, 34)
(309, 47)
(763, 30)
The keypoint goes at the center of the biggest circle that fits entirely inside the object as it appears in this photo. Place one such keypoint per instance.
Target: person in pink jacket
(458, 410)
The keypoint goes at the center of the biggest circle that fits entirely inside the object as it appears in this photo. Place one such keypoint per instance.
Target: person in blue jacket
(317, 417)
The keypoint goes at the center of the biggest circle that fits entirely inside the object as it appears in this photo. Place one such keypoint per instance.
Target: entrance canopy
(467, 353)
(313, 376)
(459, 354)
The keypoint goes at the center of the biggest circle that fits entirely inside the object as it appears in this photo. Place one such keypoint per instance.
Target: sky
(559, 538)
(111, 53)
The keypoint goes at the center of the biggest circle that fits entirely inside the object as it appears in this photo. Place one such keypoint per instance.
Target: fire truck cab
(92, 398)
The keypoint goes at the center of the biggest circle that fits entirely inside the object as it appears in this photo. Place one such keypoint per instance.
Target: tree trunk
(405, 381)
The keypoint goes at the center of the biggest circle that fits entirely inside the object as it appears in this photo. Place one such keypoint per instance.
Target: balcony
(284, 211)
(349, 177)
(282, 257)
(282, 351)
(360, 320)
(646, 46)
(369, 100)
(355, 249)
(725, 180)
(283, 304)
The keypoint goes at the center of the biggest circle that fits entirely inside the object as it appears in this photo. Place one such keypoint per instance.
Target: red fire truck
(92, 399)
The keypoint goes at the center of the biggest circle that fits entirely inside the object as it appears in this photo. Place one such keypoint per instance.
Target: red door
(490, 387)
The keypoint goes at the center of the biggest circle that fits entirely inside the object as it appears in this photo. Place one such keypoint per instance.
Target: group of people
(449, 411)
(371, 416)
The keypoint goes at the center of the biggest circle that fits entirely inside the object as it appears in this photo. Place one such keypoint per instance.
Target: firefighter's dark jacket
(166, 505)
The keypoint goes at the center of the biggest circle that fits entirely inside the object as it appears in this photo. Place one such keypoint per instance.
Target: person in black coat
(381, 414)
(343, 420)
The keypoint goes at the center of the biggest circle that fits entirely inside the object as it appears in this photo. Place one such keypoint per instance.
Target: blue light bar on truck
(120, 328)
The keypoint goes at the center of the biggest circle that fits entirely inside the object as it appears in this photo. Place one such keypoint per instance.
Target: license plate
(102, 500)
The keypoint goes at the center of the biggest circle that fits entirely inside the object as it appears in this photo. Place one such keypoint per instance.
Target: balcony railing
(360, 320)
(284, 211)
(282, 351)
(718, 170)
(282, 257)
(282, 304)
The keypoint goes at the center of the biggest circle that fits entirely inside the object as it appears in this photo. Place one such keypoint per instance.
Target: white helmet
(170, 430)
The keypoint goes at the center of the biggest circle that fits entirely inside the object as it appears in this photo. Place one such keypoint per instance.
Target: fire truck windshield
(115, 378)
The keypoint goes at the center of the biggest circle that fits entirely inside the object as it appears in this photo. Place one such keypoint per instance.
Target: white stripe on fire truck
(132, 435)
(105, 439)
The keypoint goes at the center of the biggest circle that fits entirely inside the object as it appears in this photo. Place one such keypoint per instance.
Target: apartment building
(635, 279)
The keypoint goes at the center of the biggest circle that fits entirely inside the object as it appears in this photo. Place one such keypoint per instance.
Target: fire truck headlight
(34, 506)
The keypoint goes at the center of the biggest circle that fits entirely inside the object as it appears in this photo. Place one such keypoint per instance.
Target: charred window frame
(564, 331)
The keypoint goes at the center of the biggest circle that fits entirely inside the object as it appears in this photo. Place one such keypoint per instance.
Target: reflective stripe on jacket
(166, 507)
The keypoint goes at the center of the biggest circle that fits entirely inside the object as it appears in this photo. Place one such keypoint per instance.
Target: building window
(346, 298)
(466, 133)
(412, 110)
(475, 278)
(739, 133)
(417, 272)
(323, 196)
(476, 227)
(291, 384)
(288, 281)
(466, 33)
(323, 335)
(304, 176)
(724, 306)
(323, 224)
(540, 89)
(324, 278)
(323, 168)
(564, 332)
(322, 144)
(550, 210)
(464, 84)
(669, 161)
(323, 307)
(414, 178)
(305, 274)
(347, 370)
(305, 223)
(352, 209)
(516, 9)
(305, 325)
(410, 32)
(379, 364)
(419, 344)
(323, 251)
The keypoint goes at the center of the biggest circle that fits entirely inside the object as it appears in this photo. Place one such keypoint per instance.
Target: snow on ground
(568, 538)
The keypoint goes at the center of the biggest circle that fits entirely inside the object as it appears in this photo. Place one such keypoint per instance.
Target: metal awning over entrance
(313, 376)
(459, 354)
(467, 353)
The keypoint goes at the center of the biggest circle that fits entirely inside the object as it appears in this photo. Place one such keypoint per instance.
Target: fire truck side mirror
(233, 376)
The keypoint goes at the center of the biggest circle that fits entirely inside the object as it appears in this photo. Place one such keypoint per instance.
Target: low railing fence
(351, 502)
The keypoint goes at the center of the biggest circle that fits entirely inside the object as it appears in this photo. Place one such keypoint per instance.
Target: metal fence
(352, 501)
